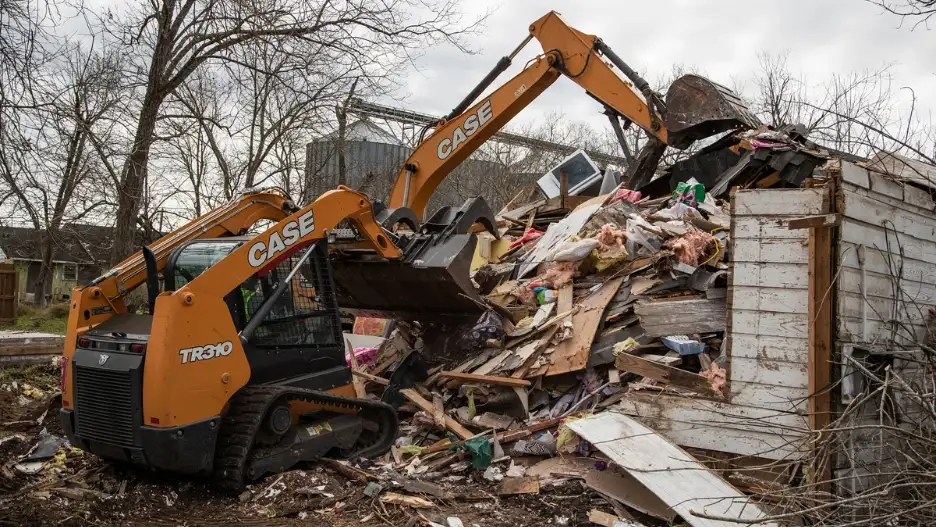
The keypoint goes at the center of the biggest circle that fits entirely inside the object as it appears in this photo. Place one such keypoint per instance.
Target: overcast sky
(721, 39)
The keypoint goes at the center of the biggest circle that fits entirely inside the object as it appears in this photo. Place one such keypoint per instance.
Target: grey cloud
(718, 38)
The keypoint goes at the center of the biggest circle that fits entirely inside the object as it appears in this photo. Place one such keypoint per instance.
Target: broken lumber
(372, 378)
(352, 473)
(504, 437)
(521, 372)
(523, 485)
(359, 391)
(609, 520)
(664, 374)
(410, 501)
(485, 379)
(438, 410)
(426, 406)
(572, 354)
(664, 317)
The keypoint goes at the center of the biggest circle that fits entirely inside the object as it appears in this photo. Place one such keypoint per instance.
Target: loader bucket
(697, 108)
(435, 287)
(432, 281)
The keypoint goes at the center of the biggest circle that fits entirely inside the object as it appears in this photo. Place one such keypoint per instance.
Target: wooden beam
(812, 222)
(438, 410)
(820, 333)
(484, 379)
(426, 406)
(664, 374)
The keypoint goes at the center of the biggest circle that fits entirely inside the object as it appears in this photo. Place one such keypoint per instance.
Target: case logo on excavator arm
(292, 232)
(461, 134)
(208, 351)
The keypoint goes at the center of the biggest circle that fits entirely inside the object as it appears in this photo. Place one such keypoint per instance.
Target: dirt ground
(77, 489)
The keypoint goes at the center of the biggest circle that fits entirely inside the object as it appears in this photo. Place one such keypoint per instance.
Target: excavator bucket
(697, 108)
(431, 282)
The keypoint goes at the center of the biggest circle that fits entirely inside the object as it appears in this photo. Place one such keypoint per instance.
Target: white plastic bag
(573, 251)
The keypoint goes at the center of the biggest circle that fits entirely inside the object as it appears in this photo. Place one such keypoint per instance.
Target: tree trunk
(342, 128)
(47, 242)
(129, 195)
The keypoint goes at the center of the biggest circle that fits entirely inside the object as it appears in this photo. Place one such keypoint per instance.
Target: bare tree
(47, 158)
(858, 113)
(180, 36)
(918, 11)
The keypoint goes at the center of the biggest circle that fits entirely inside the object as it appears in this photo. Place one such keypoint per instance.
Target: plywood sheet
(572, 354)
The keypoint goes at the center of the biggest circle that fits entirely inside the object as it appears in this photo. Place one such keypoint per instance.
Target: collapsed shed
(844, 268)
(740, 319)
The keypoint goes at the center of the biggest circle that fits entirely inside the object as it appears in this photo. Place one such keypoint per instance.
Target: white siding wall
(769, 299)
(764, 414)
(888, 230)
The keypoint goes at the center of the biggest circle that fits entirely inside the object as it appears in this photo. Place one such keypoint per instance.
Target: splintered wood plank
(438, 410)
(678, 479)
(372, 378)
(572, 354)
(524, 485)
(564, 301)
(541, 346)
(664, 374)
(484, 379)
(684, 317)
(356, 381)
(426, 406)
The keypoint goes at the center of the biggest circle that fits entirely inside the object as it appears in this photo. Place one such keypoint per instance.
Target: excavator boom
(700, 107)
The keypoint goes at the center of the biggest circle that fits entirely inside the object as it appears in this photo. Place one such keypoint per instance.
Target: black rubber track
(249, 406)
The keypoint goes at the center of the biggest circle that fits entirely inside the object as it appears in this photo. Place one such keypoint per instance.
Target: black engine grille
(104, 405)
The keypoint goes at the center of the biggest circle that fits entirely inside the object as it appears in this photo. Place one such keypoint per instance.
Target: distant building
(373, 157)
(80, 254)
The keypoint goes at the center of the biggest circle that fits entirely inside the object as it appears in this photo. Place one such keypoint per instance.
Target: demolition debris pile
(587, 300)
(590, 299)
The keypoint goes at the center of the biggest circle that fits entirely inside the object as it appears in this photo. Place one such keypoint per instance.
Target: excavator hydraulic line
(488, 79)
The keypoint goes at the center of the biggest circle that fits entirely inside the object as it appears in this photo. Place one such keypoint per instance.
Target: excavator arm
(704, 108)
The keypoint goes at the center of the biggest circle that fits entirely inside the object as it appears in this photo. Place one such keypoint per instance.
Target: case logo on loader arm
(209, 351)
(472, 124)
(292, 232)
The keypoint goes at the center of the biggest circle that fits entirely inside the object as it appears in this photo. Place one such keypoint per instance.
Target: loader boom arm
(568, 52)
(230, 219)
